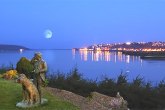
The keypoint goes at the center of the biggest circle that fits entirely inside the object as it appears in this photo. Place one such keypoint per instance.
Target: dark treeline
(4, 68)
(138, 93)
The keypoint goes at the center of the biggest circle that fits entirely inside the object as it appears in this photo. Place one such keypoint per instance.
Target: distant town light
(128, 43)
(21, 50)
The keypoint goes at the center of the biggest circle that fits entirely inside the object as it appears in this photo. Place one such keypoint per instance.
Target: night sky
(79, 23)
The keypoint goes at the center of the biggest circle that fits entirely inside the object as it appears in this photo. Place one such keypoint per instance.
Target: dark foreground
(138, 94)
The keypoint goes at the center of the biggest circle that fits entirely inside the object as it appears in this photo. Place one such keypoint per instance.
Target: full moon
(48, 34)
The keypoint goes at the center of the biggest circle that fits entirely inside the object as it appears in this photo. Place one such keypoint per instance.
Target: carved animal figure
(30, 92)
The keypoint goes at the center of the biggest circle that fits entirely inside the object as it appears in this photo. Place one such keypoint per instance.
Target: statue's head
(38, 56)
(21, 78)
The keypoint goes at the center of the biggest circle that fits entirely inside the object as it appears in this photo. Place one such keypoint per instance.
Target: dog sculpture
(30, 92)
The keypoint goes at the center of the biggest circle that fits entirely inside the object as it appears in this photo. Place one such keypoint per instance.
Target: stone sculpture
(40, 68)
(30, 92)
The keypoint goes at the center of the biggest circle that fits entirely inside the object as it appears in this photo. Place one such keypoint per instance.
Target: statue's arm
(44, 69)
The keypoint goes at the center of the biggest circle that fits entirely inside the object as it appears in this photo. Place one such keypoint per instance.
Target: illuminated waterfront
(128, 46)
(94, 64)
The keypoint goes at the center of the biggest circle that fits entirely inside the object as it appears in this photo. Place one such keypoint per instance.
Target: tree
(24, 66)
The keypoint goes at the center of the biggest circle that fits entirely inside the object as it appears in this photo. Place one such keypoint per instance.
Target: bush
(24, 66)
(11, 74)
(72, 81)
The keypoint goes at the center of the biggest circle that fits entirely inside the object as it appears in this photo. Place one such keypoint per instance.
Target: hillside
(12, 47)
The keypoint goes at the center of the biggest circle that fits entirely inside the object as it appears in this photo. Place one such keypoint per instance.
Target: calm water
(94, 64)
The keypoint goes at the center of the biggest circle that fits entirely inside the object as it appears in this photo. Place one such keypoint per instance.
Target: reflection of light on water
(115, 58)
(92, 56)
(108, 56)
(73, 53)
(96, 56)
(81, 55)
(120, 58)
(102, 56)
(84, 55)
(127, 58)
(123, 58)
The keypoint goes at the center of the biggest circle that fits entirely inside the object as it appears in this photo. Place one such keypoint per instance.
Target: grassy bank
(138, 93)
(11, 93)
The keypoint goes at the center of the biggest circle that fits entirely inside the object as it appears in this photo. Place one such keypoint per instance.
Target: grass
(11, 93)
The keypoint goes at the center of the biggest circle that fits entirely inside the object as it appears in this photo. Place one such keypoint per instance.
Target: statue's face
(37, 57)
(21, 78)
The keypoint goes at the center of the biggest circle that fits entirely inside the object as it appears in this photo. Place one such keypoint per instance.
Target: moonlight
(48, 34)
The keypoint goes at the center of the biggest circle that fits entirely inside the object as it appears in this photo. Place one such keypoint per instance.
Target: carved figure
(30, 92)
(40, 68)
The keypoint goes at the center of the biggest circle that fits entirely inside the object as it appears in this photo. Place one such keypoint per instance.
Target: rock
(109, 102)
(97, 101)
(25, 104)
